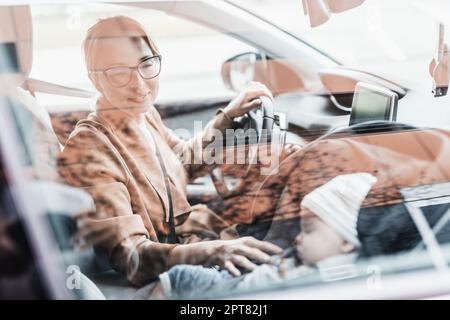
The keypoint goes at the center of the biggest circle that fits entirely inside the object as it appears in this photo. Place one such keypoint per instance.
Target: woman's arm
(193, 151)
(89, 162)
(243, 253)
(117, 231)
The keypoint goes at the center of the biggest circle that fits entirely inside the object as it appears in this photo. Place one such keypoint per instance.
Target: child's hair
(338, 202)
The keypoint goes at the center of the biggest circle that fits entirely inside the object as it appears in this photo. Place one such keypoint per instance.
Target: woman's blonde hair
(115, 27)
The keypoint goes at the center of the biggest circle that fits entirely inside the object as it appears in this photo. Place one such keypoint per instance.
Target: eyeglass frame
(136, 67)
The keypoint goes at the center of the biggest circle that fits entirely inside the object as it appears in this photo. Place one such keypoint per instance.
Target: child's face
(317, 240)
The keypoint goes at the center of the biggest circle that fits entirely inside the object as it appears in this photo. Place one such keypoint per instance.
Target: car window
(349, 204)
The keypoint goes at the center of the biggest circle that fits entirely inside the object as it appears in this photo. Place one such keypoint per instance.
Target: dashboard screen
(370, 104)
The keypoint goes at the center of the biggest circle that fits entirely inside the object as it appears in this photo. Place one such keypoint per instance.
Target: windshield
(391, 38)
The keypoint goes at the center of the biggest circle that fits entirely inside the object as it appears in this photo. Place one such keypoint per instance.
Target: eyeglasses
(148, 68)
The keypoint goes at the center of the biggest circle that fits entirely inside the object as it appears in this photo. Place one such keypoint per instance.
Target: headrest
(16, 45)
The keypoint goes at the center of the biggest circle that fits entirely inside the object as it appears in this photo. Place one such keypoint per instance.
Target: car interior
(325, 116)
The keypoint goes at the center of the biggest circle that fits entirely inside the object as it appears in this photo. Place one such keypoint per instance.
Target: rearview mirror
(338, 6)
(318, 12)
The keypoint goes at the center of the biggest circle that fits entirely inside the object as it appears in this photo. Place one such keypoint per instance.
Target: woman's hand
(243, 253)
(289, 149)
(247, 99)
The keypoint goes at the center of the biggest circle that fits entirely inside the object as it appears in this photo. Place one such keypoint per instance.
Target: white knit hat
(337, 202)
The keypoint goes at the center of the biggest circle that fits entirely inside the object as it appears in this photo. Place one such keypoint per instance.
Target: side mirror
(278, 75)
(239, 70)
(318, 12)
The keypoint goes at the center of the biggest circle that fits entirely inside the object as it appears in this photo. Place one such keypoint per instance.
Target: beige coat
(112, 161)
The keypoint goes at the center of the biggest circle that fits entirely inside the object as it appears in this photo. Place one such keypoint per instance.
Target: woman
(126, 158)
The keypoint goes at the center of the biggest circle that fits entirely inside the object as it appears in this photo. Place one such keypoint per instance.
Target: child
(329, 217)
(328, 238)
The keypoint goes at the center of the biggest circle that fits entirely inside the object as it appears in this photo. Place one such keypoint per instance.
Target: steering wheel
(260, 119)
(263, 123)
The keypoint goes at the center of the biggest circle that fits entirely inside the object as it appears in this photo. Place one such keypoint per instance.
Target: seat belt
(172, 237)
